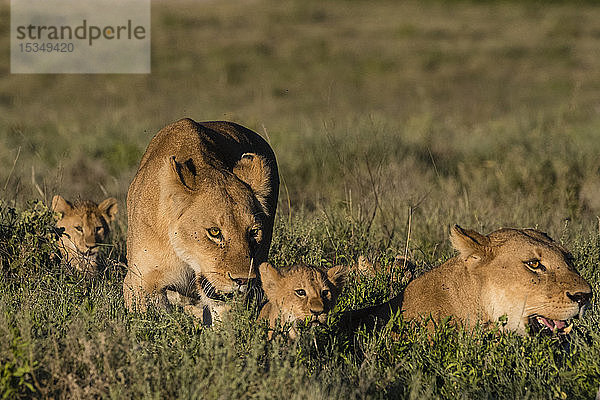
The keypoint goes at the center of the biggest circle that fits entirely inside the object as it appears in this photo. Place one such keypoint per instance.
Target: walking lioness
(519, 274)
(200, 212)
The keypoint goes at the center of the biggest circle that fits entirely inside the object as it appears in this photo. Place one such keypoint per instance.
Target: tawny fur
(194, 177)
(300, 293)
(489, 279)
(85, 225)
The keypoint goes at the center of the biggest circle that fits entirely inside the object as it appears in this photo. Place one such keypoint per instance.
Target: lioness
(200, 211)
(518, 273)
(300, 293)
(85, 226)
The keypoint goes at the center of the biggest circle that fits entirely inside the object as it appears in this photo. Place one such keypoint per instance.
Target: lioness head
(523, 274)
(85, 225)
(300, 293)
(218, 217)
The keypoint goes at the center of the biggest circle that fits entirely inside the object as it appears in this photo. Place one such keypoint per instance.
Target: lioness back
(85, 225)
(200, 212)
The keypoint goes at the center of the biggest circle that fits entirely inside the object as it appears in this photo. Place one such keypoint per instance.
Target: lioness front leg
(138, 293)
(206, 313)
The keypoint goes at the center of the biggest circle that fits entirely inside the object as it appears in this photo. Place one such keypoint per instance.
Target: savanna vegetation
(390, 120)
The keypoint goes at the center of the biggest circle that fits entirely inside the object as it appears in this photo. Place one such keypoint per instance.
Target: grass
(478, 113)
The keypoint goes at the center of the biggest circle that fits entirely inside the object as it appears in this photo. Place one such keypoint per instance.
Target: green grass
(478, 113)
(64, 335)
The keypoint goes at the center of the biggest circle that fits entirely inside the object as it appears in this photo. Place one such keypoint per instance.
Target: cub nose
(316, 313)
(581, 298)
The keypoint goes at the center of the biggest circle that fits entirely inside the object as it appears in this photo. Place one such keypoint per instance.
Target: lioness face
(530, 279)
(220, 245)
(218, 233)
(303, 293)
(85, 225)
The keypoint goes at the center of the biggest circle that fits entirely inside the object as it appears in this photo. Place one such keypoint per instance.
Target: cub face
(526, 276)
(218, 229)
(300, 293)
(85, 225)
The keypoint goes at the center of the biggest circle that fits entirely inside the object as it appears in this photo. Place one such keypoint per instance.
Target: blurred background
(485, 114)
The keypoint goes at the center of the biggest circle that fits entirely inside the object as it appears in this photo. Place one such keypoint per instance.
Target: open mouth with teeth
(544, 325)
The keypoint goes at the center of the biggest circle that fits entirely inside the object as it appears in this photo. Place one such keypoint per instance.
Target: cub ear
(60, 205)
(256, 173)
(109, 208)
(185, 172)
(337, 275)
(469, 243)
(269, 278)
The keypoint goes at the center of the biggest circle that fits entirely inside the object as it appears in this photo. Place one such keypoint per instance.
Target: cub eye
(79, 229)
(300, 292)
(325, 292)
(534, 265)
(214, 233)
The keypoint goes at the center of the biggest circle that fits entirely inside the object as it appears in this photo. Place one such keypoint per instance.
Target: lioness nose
(316, 313)
(239, 281)
(581, 298)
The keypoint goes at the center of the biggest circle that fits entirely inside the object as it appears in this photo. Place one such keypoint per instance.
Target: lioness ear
(468, 242)
(255, 171)
(60, 205)
(109, 208)
(269, 278)
(186, 172)
(337, 275)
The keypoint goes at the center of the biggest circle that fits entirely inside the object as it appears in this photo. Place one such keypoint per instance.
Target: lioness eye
(214, 233)
(325, 292)
(98, 229)
(300, 292)
(79, 229)
(535, 265)
(254, 232)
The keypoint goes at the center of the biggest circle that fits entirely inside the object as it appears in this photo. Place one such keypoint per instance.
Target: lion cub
(300, 293)
(85, 225)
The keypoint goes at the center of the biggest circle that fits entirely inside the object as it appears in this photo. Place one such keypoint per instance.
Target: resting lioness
(85, 225)
(521, 274)
(200, 211)
(300, 293)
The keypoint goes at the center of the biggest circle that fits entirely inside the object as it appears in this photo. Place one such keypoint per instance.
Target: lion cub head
(85, 225)
(518, 274)
(300, 293)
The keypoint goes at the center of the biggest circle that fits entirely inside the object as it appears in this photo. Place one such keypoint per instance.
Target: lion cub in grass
(85, 226)
(300, 293)
(295, 295)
